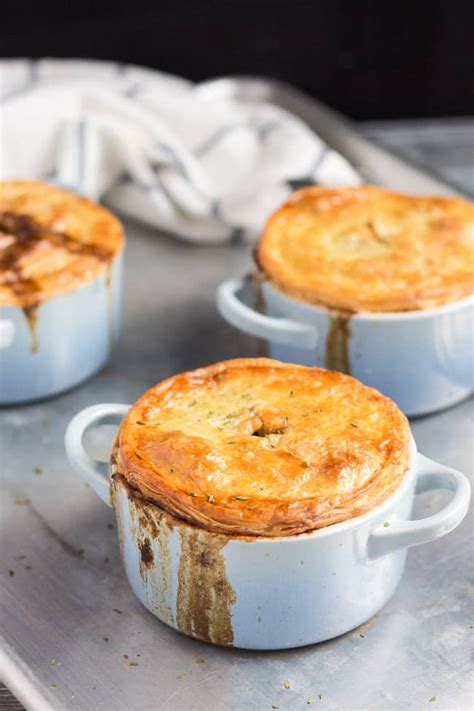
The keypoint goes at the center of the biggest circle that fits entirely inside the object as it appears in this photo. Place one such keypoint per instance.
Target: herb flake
(132, 664)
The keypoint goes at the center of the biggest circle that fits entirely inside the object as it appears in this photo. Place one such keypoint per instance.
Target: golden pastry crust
(368, 249)
(263, 448)
(51, 241)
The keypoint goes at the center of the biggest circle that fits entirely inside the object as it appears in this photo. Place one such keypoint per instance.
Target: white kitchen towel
(179, 156)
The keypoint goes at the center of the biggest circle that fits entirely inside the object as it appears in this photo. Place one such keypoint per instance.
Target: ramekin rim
(330, 530)
(380, 315)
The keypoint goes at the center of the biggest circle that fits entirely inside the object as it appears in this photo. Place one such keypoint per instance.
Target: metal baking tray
(67, 614)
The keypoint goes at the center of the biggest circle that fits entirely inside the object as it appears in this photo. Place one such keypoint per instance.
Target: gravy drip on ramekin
(22, 234)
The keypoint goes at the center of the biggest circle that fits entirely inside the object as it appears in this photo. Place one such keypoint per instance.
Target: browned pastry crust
(258, 447)
(368, 249)
(51, 241)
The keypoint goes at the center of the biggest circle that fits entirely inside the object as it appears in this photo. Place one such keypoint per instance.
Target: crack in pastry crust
(51, 241)
(259, 447)
(368, 249)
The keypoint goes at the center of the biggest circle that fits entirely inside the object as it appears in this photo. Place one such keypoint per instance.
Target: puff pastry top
(259, 447)
(51, 241)
(369, 249)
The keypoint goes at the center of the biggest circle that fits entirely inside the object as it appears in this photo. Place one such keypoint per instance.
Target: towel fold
(157, 148)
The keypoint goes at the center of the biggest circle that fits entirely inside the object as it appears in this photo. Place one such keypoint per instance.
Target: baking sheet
(61, 580)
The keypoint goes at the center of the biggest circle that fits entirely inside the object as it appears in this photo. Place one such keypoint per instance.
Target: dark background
(368, 59)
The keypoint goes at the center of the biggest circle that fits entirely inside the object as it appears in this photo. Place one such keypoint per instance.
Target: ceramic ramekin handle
(280, 330)
(7, 333)
(393, 535)
(96, 473)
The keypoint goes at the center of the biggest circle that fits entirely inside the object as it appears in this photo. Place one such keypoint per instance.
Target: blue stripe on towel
(175, 158)
(81, 144)
(216, 210)
(265, 129)
(217, 136)
(128, 178)
(262, 132)
(132, 91)
(237, 235)
(34, 71)
(310, 178)
(318, 161)
(33, 76)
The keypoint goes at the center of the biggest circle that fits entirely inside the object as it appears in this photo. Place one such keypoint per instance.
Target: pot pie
(368, 249)
(51, 241)
(256, 447)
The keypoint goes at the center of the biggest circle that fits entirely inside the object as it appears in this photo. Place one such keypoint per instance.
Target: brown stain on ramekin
(31, 315)
(205, 596)
(27, 233)
(110, 306)
(150, 529)
(146, 553)
(337, 342)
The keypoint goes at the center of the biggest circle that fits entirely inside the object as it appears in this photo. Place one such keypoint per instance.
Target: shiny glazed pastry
(259, 447)
(368, 249)
(51, 241)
